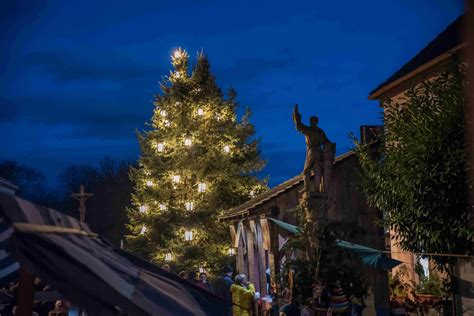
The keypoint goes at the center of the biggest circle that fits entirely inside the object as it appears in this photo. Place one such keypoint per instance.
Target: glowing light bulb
(167, 123)
(163, 113)
(231, 251)
(143, 208)
(202, 187)
(226, 149)
(188, 235)
(177, 54)
(187, 142)
(252, 193)
(200, 111)
(143, 230)
(189, 206)
(160, 147)
(149, 183)
(176, 178)
(168, 256)
(163, 207)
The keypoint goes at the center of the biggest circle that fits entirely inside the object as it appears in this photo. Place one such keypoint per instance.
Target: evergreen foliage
(418, 176)
(197, 160)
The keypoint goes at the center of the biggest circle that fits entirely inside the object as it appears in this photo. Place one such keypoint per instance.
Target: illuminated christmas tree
(197, 161)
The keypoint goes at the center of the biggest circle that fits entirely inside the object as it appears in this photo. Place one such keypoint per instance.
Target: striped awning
(9, 266)
(91, 273)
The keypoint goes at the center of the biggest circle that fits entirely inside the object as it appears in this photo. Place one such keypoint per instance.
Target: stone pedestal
(315, 206)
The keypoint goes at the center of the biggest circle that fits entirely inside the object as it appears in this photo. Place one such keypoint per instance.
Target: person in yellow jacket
(242, 294)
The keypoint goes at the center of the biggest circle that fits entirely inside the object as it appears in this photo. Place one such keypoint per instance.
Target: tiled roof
(450, 38)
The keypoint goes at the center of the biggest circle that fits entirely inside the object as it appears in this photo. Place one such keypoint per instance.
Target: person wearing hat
(222, 286)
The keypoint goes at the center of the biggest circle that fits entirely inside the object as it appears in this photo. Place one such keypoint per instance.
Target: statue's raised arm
(297, 119)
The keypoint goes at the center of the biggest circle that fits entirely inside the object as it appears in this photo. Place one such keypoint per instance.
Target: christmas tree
(197, 161)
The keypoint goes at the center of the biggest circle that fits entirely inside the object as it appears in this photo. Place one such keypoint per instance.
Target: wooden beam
(265, 234)
(232, 235)
(25, 293)
(252, 256)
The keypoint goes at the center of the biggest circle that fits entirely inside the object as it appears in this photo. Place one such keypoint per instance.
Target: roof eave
(375, 95)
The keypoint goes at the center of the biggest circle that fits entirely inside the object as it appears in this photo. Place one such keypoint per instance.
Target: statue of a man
(316, 143)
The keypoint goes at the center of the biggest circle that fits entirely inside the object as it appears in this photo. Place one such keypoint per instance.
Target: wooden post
(252, 257)
(25, 294)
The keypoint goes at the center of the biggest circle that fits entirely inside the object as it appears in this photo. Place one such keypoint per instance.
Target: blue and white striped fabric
(87, 271)
(8, 265)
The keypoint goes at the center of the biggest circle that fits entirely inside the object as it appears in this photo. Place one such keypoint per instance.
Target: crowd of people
(238, 293)
(8, 305)
(241, 296)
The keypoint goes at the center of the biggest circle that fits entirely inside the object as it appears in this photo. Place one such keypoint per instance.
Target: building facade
(438, 55)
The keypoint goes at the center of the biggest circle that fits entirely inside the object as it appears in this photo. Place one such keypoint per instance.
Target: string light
(163, 113)
(252, 193)
(143, 208)
(167, 123)
(168, 256)
(189, 206)
(163, 207)
(143, 230)
(187, 142)
(226, 149)
(188, 235)
(231, 251)
(202, 187)
(178, 103)
(200, 111)
(149, 183)
(176, 178)
(160, 147)
(201, 270)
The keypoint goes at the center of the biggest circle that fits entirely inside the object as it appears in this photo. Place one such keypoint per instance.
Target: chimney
(7, 187)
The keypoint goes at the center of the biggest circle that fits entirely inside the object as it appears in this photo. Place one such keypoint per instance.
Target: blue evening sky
(78, 77)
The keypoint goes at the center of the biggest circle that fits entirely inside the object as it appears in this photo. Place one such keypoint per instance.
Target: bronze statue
(319, 153)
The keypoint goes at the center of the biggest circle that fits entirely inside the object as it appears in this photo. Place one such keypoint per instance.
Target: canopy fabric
(9, 267)
(372, 257)
(291, 228)
(92, 274)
